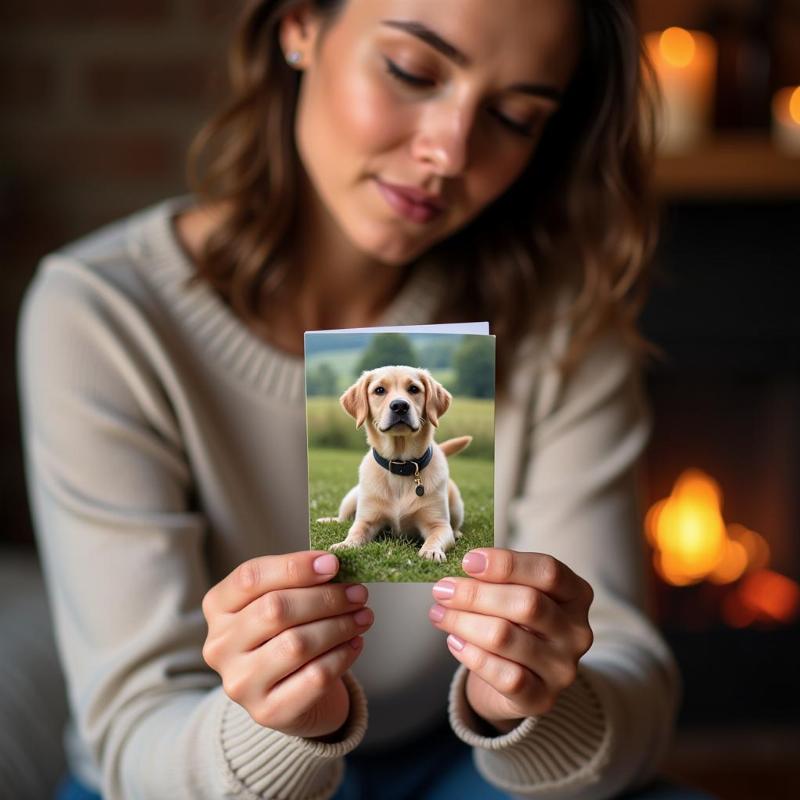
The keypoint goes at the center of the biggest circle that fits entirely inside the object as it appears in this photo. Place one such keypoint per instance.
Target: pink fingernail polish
(436, 613)
(363, 617)
(356, 594)
(474, 562)
(326, 565)
(455, 642)
(444, 590)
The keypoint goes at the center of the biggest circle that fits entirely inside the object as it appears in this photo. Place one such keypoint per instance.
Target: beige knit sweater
(151, 421)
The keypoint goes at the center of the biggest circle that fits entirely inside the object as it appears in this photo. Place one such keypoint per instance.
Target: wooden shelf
(730, 165)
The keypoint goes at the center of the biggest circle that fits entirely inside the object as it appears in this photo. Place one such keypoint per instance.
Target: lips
(415, 195)
(402, 201)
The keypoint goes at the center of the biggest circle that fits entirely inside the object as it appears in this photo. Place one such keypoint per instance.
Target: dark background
(98, 103)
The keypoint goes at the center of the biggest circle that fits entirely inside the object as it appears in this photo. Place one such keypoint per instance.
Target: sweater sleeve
(122, 548)
(580, 502)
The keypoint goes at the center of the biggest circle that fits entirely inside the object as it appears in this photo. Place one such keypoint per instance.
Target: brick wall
(98, 101)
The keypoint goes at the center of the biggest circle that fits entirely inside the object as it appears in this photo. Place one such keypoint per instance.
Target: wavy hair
(580, 215)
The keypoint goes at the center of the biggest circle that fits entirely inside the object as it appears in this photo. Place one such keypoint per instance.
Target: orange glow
(755, 545)
(665, 566)
(732, 565)
(770, 595)
(786, 106)
(687, 529)
(691, 543)
(677, 46)
(794, 105)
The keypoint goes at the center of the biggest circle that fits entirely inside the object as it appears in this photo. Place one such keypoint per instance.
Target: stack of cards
(400, 430)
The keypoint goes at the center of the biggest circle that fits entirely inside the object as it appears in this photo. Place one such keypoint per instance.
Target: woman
(379, 162)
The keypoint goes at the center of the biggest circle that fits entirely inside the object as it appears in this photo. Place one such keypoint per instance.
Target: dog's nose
(399, 406)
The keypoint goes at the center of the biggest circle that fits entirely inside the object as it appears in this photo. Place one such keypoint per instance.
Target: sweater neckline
(219, 332)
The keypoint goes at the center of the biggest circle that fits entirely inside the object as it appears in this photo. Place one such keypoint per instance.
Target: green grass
(333, 472)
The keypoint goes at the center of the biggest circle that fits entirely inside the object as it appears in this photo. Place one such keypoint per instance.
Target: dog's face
(397, 400)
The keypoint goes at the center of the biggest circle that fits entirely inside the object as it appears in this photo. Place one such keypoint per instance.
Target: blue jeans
(437, 766)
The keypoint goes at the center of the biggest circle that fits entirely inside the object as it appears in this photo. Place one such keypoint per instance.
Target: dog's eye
(413, 389)
(380, 390)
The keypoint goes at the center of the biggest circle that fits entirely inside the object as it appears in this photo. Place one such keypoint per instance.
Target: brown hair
(580, 214)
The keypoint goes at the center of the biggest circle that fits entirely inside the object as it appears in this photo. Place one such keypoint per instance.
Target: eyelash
(412, 80)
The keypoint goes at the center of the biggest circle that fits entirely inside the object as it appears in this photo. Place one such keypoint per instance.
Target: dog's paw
(432, 553)
(344, 545)
(458, 534)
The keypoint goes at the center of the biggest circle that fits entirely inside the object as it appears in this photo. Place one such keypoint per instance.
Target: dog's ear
(355, 401)
(437, 398)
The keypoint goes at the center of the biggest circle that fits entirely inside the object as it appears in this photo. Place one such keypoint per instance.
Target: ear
(437, 398)
(355, 401)
(298, 30)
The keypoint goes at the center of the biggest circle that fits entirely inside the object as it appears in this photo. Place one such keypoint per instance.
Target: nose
(443, 140)
(399, 406)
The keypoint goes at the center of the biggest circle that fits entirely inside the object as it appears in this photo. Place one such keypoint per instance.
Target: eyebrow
(455, 55)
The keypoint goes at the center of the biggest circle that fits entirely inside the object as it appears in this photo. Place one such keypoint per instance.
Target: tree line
(471, 358)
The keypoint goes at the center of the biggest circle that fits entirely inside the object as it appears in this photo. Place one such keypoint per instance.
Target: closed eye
(413, 80)
(406, 77)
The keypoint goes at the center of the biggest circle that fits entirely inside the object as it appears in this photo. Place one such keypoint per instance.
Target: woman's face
(456, 127)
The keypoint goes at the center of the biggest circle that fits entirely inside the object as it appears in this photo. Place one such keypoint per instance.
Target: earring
(294, 57)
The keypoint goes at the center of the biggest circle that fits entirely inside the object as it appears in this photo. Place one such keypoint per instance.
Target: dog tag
(420, 489)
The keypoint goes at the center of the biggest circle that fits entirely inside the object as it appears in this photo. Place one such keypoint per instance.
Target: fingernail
(444, 590)
(474, 562)
(326, 565)
(363, 617)
(436, 613)
(455, 642)
(356, 594)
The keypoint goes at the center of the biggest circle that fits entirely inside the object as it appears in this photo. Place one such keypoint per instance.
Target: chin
(388, 243)
(386, 249)
(407, 255)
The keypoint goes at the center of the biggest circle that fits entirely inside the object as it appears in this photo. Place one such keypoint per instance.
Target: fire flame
(692, 542)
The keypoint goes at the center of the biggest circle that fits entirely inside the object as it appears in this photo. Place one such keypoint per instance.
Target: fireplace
(723, 465)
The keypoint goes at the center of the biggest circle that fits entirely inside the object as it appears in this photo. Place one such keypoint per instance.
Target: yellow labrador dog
(403, 480)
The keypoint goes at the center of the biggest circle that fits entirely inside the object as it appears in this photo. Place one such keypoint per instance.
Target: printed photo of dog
(403, 480)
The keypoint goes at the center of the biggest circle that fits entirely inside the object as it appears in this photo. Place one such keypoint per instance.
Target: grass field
(333, 472)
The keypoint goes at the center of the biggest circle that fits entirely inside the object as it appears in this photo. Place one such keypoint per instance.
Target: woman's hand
(281, 636)
(520, 628)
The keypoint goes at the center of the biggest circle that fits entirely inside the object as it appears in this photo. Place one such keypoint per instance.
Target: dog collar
(410, 467)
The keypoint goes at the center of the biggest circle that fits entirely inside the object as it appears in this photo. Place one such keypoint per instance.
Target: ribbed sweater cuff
(267, 764)
(560, 750)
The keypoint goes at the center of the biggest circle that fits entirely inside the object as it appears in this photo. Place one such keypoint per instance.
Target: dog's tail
(453, 446)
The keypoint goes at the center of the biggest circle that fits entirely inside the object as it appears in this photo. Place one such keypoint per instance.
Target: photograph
(400, 450)
(403, 400)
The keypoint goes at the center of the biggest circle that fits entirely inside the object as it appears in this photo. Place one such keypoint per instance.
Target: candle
(786, 119)
(685, 63)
